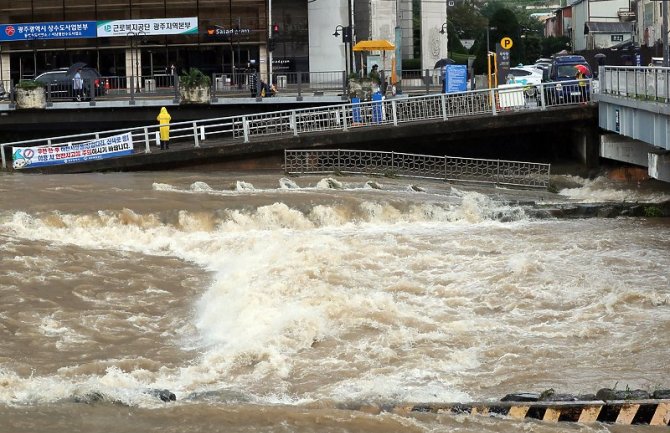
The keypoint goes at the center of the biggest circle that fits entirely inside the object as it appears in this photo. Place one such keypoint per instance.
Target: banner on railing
(109, 147)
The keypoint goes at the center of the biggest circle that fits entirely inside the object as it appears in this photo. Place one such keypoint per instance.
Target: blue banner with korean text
(109, 147)
(54, 30)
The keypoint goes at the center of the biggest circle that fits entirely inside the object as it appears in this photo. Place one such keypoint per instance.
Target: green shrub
(652, 211)
(29, 85)
(194, 78)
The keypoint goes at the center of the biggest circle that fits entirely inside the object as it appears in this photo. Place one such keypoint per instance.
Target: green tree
(503, 23)
(554, 44)
(454, 44)
(467, 19)
(533, 46)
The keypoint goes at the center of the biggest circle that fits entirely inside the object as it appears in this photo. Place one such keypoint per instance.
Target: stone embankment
(601, 210)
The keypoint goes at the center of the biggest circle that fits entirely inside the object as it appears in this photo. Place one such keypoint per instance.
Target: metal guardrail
(448, 168)
(290, 84)
(645, 83)
(344, 117)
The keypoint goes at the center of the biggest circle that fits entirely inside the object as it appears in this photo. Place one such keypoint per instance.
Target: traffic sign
(506, 43)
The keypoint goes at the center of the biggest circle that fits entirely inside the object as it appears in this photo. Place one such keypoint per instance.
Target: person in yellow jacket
(164, 119)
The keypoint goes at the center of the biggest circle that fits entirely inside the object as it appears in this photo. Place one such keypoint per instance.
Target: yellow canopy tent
(375, 45)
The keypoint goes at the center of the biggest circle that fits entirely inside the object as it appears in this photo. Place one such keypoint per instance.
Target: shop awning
(374, 45)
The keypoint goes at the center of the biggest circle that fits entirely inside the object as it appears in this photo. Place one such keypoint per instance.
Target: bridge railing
(344, 117)
(448, 168)
(641, 83)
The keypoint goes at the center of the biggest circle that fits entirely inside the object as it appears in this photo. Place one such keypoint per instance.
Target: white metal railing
(641, 83)
(342, 117)
(449, 168)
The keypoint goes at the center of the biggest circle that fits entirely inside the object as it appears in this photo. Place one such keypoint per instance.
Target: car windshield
(567, 71)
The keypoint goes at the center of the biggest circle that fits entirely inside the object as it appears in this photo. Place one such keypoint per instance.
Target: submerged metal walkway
(448, 168)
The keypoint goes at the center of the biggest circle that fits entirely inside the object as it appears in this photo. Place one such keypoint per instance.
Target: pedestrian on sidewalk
(164, 119)
(78, 85)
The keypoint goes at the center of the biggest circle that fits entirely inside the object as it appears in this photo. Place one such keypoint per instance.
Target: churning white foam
(284, 280)
(602, 189)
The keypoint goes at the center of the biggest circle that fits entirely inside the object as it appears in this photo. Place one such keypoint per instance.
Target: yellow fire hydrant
(164, 119)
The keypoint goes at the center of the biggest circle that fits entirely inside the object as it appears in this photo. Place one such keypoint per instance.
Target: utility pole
(267, 47)
(664, 31)
(350, 54)
(446, 34)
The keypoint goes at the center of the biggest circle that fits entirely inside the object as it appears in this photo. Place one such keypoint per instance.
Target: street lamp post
(664, 32)
(346, 39)
(269, 53)
(2, 72)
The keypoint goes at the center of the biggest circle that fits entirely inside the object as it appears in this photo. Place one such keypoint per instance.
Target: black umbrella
(75, 67)
(443, 62)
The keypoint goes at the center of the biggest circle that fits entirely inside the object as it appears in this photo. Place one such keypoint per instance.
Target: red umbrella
(583, 69)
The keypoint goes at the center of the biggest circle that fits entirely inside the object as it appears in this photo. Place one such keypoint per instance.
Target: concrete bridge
(634, 106)
(485, 123)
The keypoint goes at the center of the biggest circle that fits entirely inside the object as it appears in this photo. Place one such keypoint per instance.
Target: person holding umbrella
(581, 75)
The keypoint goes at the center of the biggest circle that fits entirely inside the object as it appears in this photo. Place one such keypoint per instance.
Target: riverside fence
(448, 168)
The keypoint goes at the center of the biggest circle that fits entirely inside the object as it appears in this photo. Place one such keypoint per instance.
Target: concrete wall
(604, 40)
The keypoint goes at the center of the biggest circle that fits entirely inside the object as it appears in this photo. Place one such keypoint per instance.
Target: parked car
(543, 63)
(526, 75)
(60, 85)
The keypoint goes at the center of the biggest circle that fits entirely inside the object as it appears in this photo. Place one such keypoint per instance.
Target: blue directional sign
(53, 30)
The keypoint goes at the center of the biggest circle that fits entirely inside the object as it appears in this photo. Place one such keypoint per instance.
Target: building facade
(272, 36)
(230, 35)
(590, 28)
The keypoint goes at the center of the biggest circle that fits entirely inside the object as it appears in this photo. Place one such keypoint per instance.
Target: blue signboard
(55, 30)
(455, 78)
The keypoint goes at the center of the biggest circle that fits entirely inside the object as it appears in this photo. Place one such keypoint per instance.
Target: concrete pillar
(433, 43)
(382, 20)
(5, 69)
(659, 166)
(262, 63)
(327, 52)
(133, 68)
(621, 148)
(586, 145)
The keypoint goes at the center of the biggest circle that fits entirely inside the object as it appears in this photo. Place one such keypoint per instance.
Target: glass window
(80, 10)
(113, 10)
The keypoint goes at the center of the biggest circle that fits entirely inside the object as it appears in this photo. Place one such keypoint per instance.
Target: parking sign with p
(506, 43)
